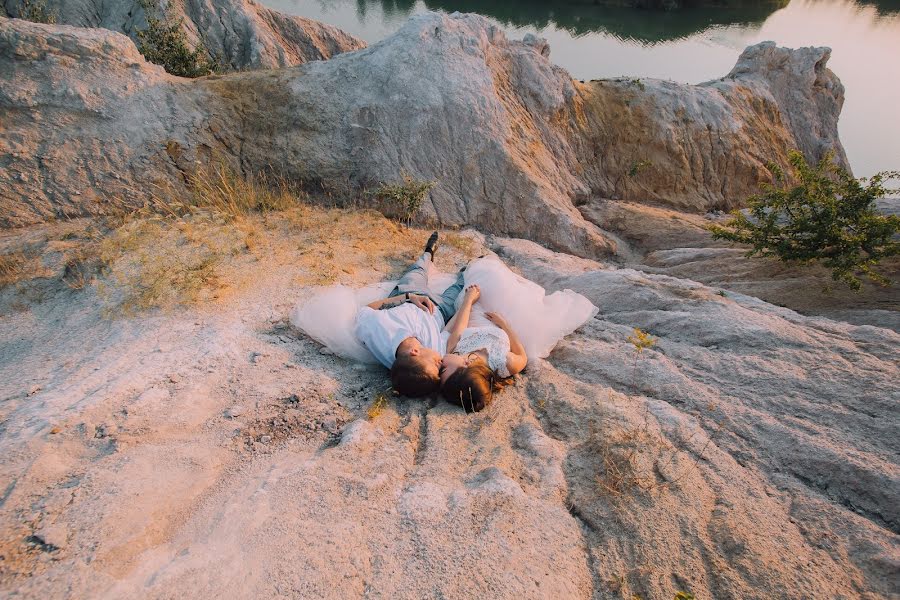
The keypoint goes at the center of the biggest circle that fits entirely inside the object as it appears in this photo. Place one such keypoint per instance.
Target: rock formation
(513, 142)
(240, 33)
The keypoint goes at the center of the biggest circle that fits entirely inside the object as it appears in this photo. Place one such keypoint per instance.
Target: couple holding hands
(468, 340)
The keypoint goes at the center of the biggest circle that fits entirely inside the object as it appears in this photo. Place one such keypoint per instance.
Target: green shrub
(165, 43)
(827, 217)
(37, 11)
(406, 198)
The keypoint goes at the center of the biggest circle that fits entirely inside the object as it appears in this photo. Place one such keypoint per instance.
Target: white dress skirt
(540, 320)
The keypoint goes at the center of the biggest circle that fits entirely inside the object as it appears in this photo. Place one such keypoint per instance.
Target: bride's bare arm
(517, 359)
(460, 320)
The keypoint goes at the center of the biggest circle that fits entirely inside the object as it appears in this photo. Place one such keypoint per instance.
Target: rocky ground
(211, 449)
(165, 432)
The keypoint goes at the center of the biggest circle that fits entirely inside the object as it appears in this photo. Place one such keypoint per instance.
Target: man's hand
(497, 319)
(473, 293)
(423, 302)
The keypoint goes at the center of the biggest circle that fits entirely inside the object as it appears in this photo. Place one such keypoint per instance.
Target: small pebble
(34, 390)
(265, 439)
(325, 351)
(234, 411)
(174, 377)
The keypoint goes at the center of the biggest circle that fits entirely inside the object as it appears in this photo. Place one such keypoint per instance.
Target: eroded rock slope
(513, 142)
(239, 33)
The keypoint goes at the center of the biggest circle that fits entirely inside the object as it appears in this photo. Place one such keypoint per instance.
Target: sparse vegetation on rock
(165, 43)
(405, 198)
(36, 11)
(828, 216)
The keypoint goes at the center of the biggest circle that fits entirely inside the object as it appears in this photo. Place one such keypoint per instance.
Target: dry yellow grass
(22, 264)
(377, 407)
(162, 262)
(177, 250)
(620, 453)
(13, 267)
(463, 244)
(156, 263)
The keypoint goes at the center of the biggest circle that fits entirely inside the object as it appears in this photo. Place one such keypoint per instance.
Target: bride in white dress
(507, 303)
(502, 320)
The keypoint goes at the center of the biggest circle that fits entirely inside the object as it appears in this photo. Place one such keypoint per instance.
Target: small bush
(165, 43)
(406, 197)
(635, 168)
(827, 217)
(36, 11)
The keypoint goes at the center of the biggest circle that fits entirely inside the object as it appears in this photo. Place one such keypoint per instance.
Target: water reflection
(579, 19)
(690, 45)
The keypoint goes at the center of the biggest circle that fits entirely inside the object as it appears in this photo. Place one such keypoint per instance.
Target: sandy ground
(213, 451)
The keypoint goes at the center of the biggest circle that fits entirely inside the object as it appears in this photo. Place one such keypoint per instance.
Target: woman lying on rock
(479, 359)
(499, 325)
(492, 330)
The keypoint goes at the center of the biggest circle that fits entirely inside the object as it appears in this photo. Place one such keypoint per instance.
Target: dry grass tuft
(462, 244)
(220, 189)
(217, 188)
(22, 265)
(620, 453)
(13, 267)
(377, 407)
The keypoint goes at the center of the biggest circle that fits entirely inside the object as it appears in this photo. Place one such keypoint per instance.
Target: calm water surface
(688, 45)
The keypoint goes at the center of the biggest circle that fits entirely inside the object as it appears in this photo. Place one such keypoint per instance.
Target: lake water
(688, 45)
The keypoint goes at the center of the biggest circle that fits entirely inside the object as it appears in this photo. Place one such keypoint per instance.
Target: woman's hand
(497, 319)
(473, 293)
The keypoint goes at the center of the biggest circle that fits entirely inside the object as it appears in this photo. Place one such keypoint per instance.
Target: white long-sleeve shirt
(381, 331)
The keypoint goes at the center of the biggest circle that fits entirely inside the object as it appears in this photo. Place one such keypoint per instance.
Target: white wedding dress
(540, 320)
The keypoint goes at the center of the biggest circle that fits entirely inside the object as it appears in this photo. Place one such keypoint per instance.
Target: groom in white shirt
(405, 330)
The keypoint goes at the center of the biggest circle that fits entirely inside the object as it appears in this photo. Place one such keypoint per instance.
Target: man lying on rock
(405, 331)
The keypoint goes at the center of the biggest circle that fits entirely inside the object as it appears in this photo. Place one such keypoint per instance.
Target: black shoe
(432, 245)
